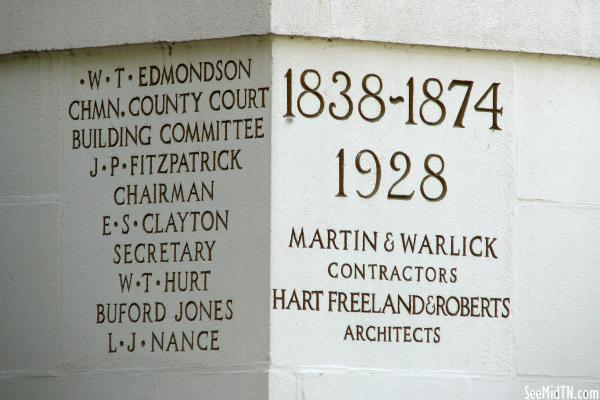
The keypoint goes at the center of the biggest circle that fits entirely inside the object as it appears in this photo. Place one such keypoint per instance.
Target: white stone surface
(555, 27)
(384, 386)
(59, 24)
(186, 385)
(240, 267)
(557, 259)
(30, 150)
(354, 386)
(534, 185)
(473, 154)
(530, 26)
(30, 295)
(558, 150)
(56, 266)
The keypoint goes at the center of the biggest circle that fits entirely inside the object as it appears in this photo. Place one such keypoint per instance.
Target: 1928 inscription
(398, 279)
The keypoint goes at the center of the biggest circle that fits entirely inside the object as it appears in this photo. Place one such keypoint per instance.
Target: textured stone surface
(536, 186)
(555, 27)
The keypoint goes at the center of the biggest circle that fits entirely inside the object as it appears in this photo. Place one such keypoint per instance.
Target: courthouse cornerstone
(300, 200)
